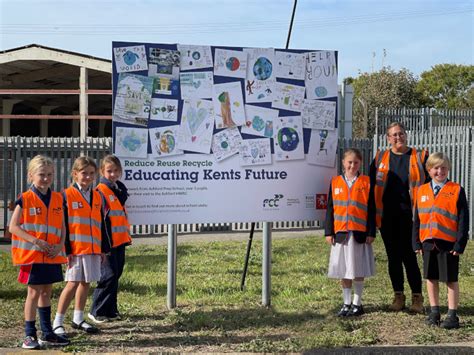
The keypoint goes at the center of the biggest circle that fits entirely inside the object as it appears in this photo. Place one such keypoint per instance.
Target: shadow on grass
(230, 319)
(394, 350)
(134, 288)
(202, 342)
(12, 294)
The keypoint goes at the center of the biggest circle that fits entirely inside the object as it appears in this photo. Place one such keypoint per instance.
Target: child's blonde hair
(81, 163)
(110, 159)
(436, 159)
(38, 162)
(354, 151)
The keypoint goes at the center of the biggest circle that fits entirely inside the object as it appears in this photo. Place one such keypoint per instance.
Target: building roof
(36, 67)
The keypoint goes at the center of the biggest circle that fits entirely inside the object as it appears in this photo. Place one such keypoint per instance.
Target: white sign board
(197, 152)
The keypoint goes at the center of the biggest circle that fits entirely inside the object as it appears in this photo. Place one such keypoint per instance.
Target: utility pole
(291, 25)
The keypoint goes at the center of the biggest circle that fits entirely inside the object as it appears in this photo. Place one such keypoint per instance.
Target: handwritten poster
(133, 99)
(321, 75)
(260, 78)
(255, 152)
(290, 65)
(228, 104)
(318, 114)
(230, 63)
(288, 138)
(195, 57)
(197, 126)
(163, 63)
(131, 142)
(288, 97)
(164, 109)
(128, 59)
(323, 148)
(226, 143)
(259, 121)
(163, 141)
(196, 85)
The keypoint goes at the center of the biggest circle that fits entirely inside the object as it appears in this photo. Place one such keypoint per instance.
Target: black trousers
(104, 298)
(396, 235)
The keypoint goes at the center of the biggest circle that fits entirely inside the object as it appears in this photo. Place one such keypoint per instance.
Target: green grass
(214, 315)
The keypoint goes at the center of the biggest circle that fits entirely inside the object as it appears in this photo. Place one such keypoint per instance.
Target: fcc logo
(272, 202)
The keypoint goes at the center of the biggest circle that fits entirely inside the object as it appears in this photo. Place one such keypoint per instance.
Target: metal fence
(455, 141)
(16, 152)
(447, 131)
(422, 119)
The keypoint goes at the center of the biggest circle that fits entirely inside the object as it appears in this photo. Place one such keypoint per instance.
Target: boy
(440, 234)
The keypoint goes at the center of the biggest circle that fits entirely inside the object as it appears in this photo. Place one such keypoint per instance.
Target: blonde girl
(84, 246)
(350, 230)
(37, 228)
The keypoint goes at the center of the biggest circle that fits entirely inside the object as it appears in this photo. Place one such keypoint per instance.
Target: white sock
(58, 320)
(358, 288)
(346, 294)
(78, 316)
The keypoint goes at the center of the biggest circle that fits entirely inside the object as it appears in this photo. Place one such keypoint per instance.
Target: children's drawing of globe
(196, 55)
(131, 142)
(129, 57)
(258, 124)
(232, 64)
(262, 69)
(321, 91)
(167, 142)
(288, 139)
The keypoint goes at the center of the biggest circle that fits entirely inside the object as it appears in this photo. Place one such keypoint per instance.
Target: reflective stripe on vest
(416, 177)
(117, 216)
(350, 205)
(42, 223)
(84, 221)
(438, 215)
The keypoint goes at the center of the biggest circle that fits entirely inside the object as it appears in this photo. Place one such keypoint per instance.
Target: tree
(385, 88)
(447, 86)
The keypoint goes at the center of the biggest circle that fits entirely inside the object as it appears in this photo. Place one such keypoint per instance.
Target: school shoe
(54, 340)
(433, 319)
(344, 310)
(88, 328)
(59, 330)
(417, 304)
(398, 302)
(116, 317)
(450, 322)
(355, 311)
(30, 342)
(98, 319)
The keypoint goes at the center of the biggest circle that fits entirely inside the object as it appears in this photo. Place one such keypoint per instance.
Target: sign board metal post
(172, 242)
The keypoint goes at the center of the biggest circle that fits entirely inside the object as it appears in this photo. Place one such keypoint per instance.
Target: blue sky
(415, 34)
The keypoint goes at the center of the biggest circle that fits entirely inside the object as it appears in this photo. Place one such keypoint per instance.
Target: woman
(396, 175)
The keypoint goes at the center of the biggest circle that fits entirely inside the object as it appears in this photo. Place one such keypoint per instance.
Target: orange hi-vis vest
(43, 223)
(416, 177)
(350, 205)
(438, 215)
(84, 221)
(118, 217)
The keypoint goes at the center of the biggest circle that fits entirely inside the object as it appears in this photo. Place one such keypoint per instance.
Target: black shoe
(451, 322)
(88, 328)
(433, 319)
(54, 340)
(355, 311)
(344, 310)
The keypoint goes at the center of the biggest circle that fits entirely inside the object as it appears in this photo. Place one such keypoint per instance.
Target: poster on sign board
(210, 134)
